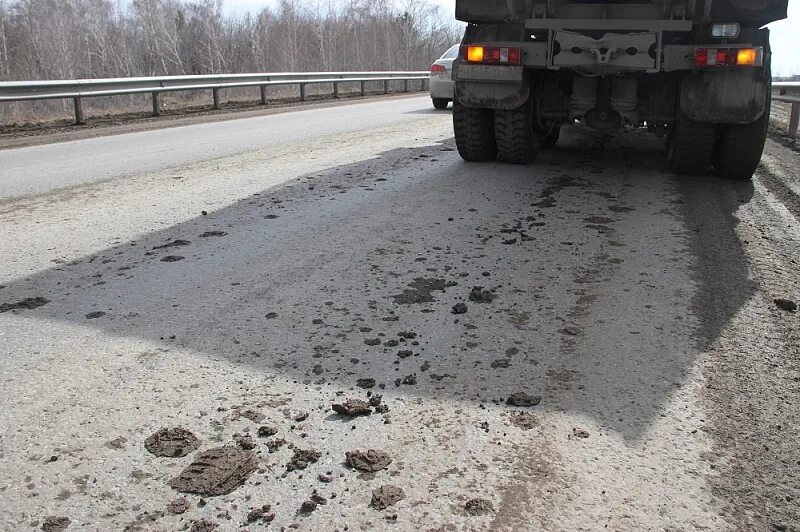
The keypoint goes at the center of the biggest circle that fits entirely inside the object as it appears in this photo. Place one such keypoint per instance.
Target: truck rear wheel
(474, 132)
(690, 147)
(517, 141)
(740, 147)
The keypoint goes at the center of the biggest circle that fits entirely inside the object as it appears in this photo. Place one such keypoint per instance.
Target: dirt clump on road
(353, 408)
(203, 525)
(172, 443)
(479, 295)
(303, 458)
(370, 461)
(366, 383)
(267, 431)
(173, 244)
(524, 420)
(26, 304)
(420, 291)
(262, 515)
(786, 304)
(245, 441)
(386, 496)
(172, 258)
(459, 308)
(55, 524)
(216, 472)
(179, 506)
(523, 399)
(476, 507)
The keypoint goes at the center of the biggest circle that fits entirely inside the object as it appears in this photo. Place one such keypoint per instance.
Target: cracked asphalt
(587, 342)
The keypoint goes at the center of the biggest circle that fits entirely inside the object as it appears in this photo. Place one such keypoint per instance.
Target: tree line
(74, 39)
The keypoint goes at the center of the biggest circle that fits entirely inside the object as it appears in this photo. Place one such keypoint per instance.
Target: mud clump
(372, 342)
(253, 415)
(216, 472)
(26, 304)
(245, 441)
(303, 458)
(522, 399)
(386, 496)
(261, 515)
(477, 507)
(203, 525)
(267, 431)
(786, 305)
(420, 291)
(353, 408)
(274, 445)
(524, 421)
(370, 461)
(172, 443)
(95, 315)
(179, 506)
(459, 308)
(580, 434)
(501, 363)
(209, 234)
(479, 295)
(173, 244)
(366, 383)
(55, 524)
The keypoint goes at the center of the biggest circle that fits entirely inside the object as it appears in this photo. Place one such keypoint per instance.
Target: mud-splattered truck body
(694, 71)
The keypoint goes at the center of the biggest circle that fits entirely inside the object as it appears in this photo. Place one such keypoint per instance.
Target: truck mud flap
(491, 87)
(724, 97)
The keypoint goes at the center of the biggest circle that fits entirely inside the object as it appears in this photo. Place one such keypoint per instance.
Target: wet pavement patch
(26, 304)
(216, 472)
(172, 443)
(420, 291)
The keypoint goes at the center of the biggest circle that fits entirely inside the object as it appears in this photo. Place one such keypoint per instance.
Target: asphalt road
(260, 284)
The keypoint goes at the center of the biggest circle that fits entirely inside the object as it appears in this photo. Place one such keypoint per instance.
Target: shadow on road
(588, 253)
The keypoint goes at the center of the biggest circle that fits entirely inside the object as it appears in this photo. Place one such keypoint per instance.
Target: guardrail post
(156, 105)
(215, 94)
(363, 88)
(405, 85)
(263, 95)
(335, 89)
(78, 111)
(794, 120)
(422, 85)
(386, 86)
(302, 92)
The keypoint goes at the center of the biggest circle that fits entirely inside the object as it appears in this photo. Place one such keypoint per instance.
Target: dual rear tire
(506, 135)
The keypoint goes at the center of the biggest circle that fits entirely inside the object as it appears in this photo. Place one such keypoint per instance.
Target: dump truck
(695, 72)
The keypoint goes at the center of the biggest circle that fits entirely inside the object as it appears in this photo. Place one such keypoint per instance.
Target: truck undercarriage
(696, 72)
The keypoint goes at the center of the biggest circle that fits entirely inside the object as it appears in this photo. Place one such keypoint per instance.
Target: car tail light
(493, 55)
(439, 70)
(728, 57)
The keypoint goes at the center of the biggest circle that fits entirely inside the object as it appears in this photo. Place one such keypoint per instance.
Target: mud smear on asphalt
(216, 472)
(420, 291)
(370, 461)
(26, 304)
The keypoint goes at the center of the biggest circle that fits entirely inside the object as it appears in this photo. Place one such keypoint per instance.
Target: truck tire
(551, 137)
(474, 132)
(740, 147)
(690, 147)
(440, 103)
(517, 141)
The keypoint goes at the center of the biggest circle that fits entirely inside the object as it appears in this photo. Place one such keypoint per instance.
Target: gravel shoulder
(621, 362)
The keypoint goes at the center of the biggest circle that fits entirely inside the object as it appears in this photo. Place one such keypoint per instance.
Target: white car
(442, 78)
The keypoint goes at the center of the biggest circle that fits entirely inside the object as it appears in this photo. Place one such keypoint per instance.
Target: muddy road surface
(355, 330)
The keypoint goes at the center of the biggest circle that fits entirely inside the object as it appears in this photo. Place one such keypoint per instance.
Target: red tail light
(728, 57)
(493, 55)
(438, 69)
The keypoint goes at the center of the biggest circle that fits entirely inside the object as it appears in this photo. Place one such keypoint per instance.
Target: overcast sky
(785, 34)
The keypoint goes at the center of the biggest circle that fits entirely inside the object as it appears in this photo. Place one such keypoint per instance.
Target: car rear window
(452, 53)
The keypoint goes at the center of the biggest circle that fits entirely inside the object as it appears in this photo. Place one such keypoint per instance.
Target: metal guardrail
(17, 91)
(789, 92)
